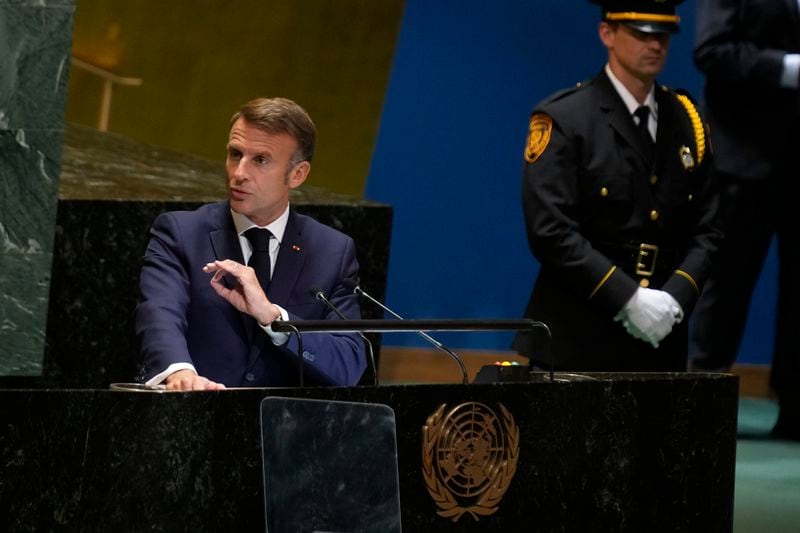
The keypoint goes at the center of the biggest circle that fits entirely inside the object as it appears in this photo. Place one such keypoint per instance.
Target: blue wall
(448, 157)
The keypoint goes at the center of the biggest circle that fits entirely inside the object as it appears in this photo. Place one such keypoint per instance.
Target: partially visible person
(619, 205)
(749, 51)
(204, 319)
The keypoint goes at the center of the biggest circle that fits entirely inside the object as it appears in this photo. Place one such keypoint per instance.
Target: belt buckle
(646, 260)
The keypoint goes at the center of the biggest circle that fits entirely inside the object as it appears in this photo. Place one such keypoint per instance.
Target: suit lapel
(620, 119)
(225, 243)
(291, 258)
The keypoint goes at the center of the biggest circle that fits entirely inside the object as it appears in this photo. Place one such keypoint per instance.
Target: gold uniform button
(644, 282)
(653, 179)
(603, 192)
(690, 197)
(653, 215)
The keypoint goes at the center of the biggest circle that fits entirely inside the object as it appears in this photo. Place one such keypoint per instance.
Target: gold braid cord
(499, 474)
(697, 126)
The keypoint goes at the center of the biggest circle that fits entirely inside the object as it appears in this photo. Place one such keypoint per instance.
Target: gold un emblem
(469, 456)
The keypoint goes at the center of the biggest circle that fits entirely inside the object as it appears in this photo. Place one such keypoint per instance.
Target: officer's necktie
(643, 113)
(259, 239)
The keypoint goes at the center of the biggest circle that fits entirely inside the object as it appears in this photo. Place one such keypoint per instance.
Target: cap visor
(652, 27)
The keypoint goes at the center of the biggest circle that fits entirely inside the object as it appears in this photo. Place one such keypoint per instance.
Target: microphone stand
(299, 349)
(415, 326)
(319, 295)
(434, 342)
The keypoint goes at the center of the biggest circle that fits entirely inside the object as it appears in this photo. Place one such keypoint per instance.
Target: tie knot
(259, 239)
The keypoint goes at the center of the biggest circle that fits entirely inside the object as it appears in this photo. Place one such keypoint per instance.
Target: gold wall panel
(199, 60)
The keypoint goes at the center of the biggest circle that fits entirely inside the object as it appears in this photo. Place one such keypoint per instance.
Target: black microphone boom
(317, 293)
(350, 284)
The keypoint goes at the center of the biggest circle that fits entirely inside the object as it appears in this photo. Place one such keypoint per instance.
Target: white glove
(650, 314)
(677, 310)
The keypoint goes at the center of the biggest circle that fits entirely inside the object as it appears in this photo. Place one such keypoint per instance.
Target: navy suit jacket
(740, 48)
(180, 318)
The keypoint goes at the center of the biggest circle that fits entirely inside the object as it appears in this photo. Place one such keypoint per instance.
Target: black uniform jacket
(605, 213)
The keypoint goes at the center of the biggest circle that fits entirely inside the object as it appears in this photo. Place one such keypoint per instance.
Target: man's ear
(606, 34)
(298, 174)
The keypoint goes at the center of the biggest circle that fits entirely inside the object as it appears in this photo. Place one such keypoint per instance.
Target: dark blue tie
(259, 261)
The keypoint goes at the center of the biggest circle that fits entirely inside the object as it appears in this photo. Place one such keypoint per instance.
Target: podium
(608, 452)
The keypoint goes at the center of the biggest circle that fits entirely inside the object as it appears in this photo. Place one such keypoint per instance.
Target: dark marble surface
(35, 43)
(111, 190)
(618, 453)
(106, 166)
(35, 46)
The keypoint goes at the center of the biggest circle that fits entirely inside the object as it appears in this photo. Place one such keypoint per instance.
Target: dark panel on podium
(616, 453)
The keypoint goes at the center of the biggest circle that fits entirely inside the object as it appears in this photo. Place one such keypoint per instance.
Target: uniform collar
(630, 101)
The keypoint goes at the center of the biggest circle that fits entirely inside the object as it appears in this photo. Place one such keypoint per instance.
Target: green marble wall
(35, 44)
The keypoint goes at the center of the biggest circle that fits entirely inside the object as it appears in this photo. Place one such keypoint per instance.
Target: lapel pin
(295, 248)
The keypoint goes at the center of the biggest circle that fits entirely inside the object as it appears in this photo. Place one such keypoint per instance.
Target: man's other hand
(188, 380)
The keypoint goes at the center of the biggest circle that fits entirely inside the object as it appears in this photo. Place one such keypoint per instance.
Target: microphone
(353, 286)
(318, 294)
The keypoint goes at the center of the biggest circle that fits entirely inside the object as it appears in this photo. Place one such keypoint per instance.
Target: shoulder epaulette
(558, 95)
(696, 122)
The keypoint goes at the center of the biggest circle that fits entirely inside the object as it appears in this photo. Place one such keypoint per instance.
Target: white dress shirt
(632, 104)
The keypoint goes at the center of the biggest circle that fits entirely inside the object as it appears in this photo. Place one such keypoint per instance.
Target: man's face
(259, 172)
(639, 54)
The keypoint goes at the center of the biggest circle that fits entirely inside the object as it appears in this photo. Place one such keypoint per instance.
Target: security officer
(620, 206)
(749, 51)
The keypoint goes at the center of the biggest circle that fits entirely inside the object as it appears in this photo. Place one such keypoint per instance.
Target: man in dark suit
(749, 51)
(619, 206)
(204, 319)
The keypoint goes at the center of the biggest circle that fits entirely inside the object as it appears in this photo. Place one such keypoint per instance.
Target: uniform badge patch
(538, 136)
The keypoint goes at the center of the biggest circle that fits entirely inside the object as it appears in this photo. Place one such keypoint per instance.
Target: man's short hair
(281, 115)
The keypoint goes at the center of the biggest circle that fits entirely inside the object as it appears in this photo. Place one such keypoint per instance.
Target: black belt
(641, 259)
